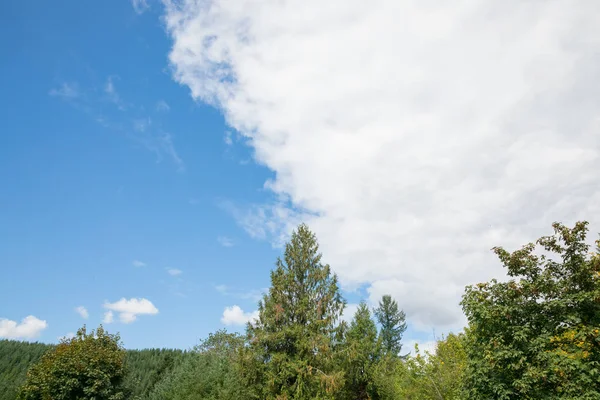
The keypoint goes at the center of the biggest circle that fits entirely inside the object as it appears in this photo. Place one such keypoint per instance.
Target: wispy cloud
(174, 271)
(162, 146)
(138, 263)
(162, 105)
(132, 122)
(254, 295)
(140, 6)
(228, 138)
(129, 309)
(67, 90)
(113, 96)
(225, 241)
(142, 124)
(29, 328)
(82, 311)
(234, 315)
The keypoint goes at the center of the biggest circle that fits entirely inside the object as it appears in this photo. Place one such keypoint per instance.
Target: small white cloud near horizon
(234, 315)
(129, 310)
(138, 263)
(174, 271)
(140, 6)
(69, 335)
(225, 241)
(108, 317)
(30, 327)
(82, 311)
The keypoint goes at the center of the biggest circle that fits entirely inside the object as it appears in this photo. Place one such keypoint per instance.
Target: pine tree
(294, 341)
(393, 325)
(361, 356)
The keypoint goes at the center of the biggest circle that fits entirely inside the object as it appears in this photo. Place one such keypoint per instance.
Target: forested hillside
(145, 368)
(535, 336)
(15, 358)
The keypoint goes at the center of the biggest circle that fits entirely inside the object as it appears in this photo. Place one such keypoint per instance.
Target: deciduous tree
(537, 336)
(89, 366)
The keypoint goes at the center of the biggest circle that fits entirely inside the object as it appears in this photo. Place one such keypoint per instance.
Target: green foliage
(88, 366)
(393, 325)
(537, 335)
(146, 368)
(433, 376)
(15, 360)
(360, 356)
(292, 346)
(209, 373)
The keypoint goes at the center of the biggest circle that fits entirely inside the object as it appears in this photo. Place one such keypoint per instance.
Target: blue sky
(106, 164)
(155, 154)
(91, 183)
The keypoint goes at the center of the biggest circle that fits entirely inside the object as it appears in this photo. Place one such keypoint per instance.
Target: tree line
(534, 336)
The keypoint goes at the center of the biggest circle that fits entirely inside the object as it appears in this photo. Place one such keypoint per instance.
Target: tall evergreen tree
(361, 356)
(293, 342)
(393, 325)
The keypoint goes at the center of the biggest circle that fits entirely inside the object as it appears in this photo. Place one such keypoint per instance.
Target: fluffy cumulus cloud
(29, 328)
(109, 317)
(82, 311)
(234, 315)
(411, 135)
(129, 309)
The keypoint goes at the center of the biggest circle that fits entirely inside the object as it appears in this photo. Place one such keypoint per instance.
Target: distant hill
(146, 367)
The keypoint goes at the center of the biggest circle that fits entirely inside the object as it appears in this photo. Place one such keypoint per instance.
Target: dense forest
(145, 368)
(533, 336)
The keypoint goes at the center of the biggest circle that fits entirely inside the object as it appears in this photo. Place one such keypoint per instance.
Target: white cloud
(174, 271)
(138, 263)
(129, 310)
(423, 346)
(254, 294)
(108, 317)
(69, 335)
(111, 91)
(349, 312)
(66, 90)
(140, 6)
(228, 138)
(161, 145)
(412, 136)
(142, 124)
(234, 315)
(225, 241)
(82, 311)
(29, 328)
(162, 105)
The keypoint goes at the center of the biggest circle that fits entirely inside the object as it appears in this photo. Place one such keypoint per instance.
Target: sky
(155, 155)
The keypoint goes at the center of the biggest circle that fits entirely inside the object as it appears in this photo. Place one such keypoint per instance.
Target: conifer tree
(361, 356)
(393, 325)
(294, 341)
